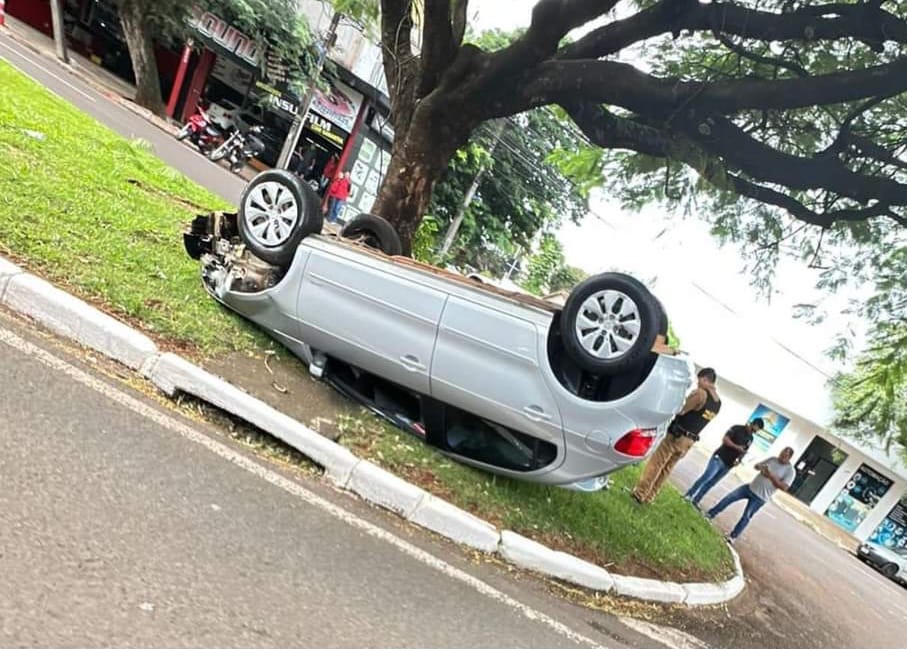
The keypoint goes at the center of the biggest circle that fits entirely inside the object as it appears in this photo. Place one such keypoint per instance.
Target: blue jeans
(753, 504)
(335, 206)
(714, 471)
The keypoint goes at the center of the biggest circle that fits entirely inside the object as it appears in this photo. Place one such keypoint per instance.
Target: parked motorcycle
(201, 132)
(239, 148)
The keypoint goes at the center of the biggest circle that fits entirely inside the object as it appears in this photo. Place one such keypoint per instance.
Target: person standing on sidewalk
(734, 446)
(700, 408)
(338, 193)
(774, 473)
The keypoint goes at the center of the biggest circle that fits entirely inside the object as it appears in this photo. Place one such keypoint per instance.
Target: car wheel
(609, 323)
(889, 570)
(374, 232)
(183, 133)
(662, 319)
(276, 212)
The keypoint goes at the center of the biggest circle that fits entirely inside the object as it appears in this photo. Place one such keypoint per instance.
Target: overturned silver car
(510, 383)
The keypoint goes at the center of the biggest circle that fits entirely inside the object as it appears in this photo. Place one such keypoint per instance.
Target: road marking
(43, 68)
(226, 453)
(664, 635)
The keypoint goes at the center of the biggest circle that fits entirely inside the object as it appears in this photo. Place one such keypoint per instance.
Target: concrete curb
(70, 317)
(76, 320)
(453, 523)
(526, 553)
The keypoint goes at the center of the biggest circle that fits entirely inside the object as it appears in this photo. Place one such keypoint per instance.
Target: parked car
(891, 562)
(499, 380)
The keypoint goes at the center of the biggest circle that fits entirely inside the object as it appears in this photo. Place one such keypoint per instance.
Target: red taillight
(637, 442)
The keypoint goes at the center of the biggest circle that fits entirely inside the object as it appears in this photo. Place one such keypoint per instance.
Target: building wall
(737, 407)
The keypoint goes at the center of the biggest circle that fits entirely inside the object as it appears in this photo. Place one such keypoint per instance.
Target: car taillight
(637, 442)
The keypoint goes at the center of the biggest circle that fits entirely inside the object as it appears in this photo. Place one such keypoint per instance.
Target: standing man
(338, 193)
(700, 408)
(734, 446)
(774, 473)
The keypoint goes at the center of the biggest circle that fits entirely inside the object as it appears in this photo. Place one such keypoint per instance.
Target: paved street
(118, 529)
(801, 587)
(125, 525)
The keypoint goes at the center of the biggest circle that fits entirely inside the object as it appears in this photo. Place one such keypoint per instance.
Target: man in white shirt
(774, 473)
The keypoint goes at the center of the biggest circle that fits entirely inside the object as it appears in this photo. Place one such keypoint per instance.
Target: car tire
(594, 323)
(183, 133)
(277, 211)
(662, 319)
(374, 232)
(890, 570)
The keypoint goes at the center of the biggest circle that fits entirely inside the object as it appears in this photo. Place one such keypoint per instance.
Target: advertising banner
(775, 423)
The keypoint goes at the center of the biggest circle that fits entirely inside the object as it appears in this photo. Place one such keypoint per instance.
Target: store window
(892, 532)
(858, 497)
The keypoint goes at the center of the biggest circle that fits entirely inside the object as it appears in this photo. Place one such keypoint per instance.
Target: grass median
(102, 216)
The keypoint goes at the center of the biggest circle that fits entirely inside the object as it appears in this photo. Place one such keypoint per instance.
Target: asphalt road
(803, 591)
(124, 524)
(118, 530)
(178, 155)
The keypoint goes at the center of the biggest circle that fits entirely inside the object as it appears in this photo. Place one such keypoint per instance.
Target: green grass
(103, 216)
(667, 539)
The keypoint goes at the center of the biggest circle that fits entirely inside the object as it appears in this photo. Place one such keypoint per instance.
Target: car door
(362, 310)
(486, 362)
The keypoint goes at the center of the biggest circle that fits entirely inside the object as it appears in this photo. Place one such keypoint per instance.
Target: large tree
(276, 23)
(792, 61)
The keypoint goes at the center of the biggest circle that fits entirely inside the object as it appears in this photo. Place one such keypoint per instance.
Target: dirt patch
(284, 383)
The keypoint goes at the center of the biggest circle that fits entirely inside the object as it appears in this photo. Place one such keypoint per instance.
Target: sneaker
(730, 539)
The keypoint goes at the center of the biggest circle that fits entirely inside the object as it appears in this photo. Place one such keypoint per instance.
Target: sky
(688, 270)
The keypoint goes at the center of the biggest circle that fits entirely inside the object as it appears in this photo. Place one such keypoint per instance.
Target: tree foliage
(547, 270)
(520, 193)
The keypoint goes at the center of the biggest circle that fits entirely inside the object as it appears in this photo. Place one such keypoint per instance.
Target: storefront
(92, 29)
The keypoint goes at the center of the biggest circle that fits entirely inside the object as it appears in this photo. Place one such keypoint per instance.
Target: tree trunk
(419, 159)
(141, 52)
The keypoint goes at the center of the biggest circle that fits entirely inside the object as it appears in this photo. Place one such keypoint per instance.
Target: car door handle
(536, 413)
(412, 363)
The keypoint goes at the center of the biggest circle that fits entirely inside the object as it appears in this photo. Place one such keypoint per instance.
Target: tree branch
(621, 84)
(607, 130)
(400, 64)
(438, 46)
(460, 19)
(861, 21)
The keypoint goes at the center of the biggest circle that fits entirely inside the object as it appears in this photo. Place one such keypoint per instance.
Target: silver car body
(880, 556)
(471, 346)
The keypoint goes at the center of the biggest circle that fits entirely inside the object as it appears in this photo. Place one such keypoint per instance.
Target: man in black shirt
(734, 446)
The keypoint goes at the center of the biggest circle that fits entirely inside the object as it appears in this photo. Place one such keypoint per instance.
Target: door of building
(816, 465)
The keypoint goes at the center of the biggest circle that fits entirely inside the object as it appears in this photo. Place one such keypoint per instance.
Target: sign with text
(858, 497)
(228, 37)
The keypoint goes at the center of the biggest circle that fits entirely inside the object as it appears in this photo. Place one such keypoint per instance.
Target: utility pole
(56, 11)
(289, 146)
(454, 228)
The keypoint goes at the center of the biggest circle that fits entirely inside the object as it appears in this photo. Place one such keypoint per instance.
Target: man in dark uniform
(700, 408)
(736, 443)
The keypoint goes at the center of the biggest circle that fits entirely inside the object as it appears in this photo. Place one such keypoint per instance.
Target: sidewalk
(106, 83)
(816, 521)
(81, 66)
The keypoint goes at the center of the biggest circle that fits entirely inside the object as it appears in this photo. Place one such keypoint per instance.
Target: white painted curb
(70, 317)
(7, 270)
(173, 374)
(453, 523)
(74, 319)
(383, 488)
(649, 589)
(526, 553)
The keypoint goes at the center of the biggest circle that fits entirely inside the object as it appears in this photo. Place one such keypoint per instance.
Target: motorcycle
(239, 148)
(201, 132)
